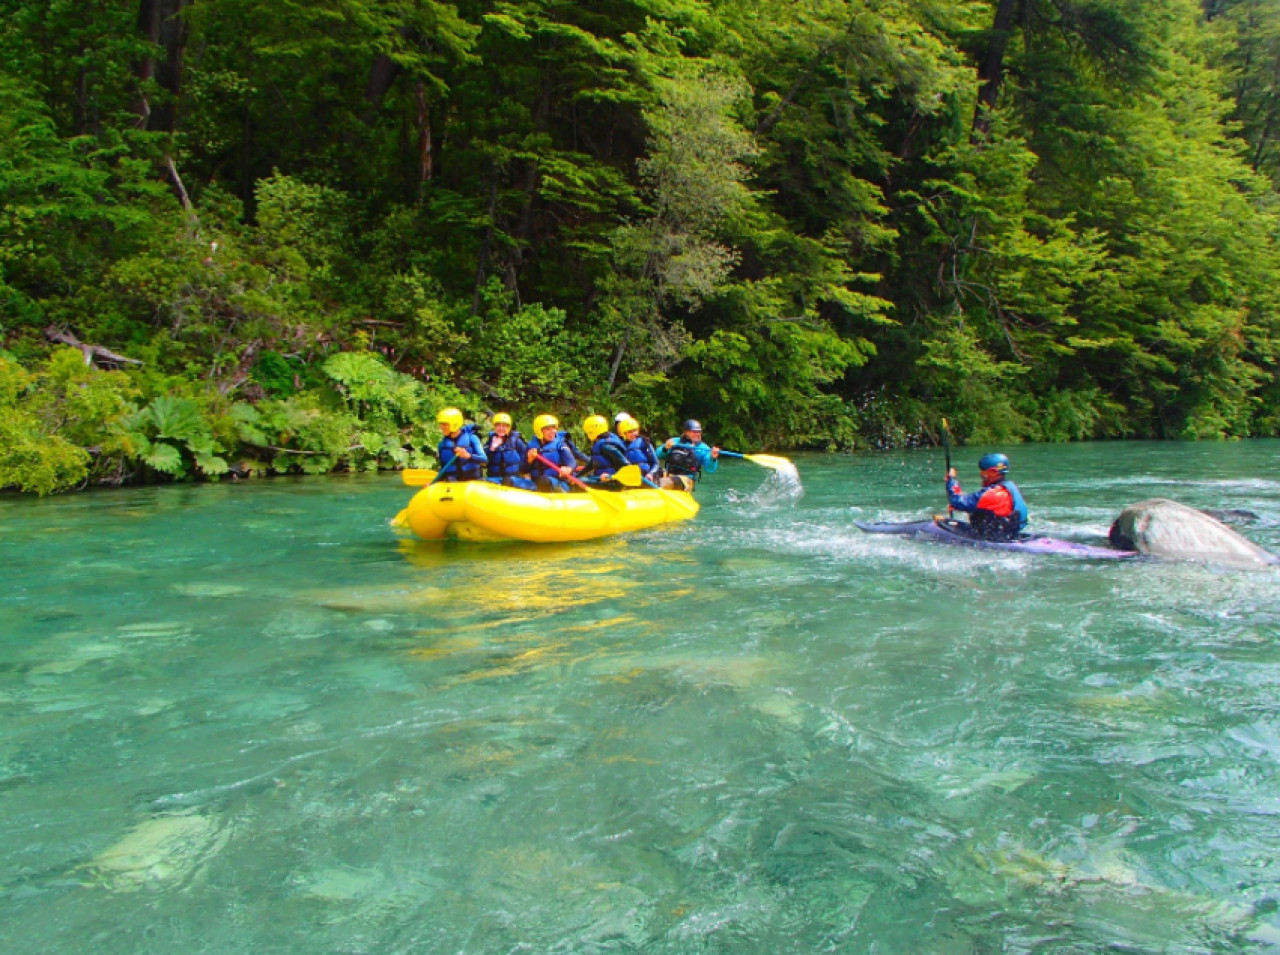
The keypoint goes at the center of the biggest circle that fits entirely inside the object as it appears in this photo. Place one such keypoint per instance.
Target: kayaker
(459, 440)
(997, 512)
(639, 448)
(608, 453)
(685, 458)
(506, 450)
(554, 445)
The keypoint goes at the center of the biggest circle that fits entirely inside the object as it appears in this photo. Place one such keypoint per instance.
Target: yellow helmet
(595, 426)
(544, 421)
(628, 424)
(502, 418)
(450, 418)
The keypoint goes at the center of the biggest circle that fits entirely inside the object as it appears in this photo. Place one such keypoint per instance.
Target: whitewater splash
(781, 487)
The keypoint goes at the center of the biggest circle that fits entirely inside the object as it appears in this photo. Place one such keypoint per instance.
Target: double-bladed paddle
(772, 461)
(946, 450)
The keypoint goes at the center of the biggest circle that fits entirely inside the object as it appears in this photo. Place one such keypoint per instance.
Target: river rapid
(254, 718)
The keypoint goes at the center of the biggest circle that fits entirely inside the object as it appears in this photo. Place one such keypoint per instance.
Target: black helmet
(691, 425)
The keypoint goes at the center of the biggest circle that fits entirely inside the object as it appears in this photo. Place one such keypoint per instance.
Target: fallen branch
(55, 334)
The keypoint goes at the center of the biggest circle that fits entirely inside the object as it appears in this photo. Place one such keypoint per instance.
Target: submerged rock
(1161, 528)
(166, 850)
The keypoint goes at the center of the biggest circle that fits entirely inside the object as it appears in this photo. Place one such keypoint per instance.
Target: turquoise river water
(254, 719)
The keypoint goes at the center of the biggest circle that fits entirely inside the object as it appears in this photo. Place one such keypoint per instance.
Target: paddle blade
(417, 477)
(770, 461)
(630, 476)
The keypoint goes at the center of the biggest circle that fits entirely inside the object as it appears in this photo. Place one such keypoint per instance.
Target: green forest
(256, 236)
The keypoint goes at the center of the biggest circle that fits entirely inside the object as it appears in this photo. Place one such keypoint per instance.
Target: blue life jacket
(558, 450)
(1019, 505)
(508, 459)
(640, 451)
(469, 470)
(602, 465)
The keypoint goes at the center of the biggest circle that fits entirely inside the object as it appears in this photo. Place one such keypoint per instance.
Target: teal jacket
(703, 451)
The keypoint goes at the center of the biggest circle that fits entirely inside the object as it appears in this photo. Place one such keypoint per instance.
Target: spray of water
(780, 488)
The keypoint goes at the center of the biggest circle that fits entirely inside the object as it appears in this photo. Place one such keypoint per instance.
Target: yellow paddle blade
(610, 499)
(630, 476)
(769, 461)
(682, 500)
(418, 477)
(401, 519)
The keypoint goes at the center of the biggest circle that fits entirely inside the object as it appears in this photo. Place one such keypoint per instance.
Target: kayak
(480, 511)
(944, 532)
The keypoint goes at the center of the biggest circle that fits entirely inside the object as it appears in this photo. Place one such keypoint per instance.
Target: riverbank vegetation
(241, 236)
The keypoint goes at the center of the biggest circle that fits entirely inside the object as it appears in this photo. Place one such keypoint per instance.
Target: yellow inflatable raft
(479, 511)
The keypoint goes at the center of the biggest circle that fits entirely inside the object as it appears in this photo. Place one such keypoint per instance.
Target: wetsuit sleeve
(650, 455)
(525, 466)
(617, 457)
(477, 450)
(577, 453)
(662, 451)
(959, 500)
(709, 464)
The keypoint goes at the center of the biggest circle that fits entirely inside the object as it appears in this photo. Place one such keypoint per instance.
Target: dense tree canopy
(308, 223)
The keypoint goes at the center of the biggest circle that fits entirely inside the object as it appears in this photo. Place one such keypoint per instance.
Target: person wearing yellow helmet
(459, 442)
(506, 449)
(639, 448)
(608, 453)
(551, 443)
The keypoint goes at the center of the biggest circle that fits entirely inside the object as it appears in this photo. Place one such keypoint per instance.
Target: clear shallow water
(251, 719)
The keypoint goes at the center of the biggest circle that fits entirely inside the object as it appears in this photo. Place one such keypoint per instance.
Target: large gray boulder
(1163, 528)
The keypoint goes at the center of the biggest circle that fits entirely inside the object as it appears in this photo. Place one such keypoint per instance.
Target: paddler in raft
(459, 441)
(639, 448)
(506, 450)
(686, 457)
(608, 452)
(553, 444)
(997, 512)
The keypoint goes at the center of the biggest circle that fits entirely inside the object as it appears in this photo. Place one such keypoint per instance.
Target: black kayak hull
(1026, 545)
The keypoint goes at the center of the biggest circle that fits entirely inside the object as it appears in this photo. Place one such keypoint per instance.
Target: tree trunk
(149, 27)
(162, 25)
(482, 267)
(617, 359)
(425, 170)
(382, 74)
(991, 72)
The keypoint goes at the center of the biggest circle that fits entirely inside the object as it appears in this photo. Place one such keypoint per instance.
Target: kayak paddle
(946, 450)
(764, 460)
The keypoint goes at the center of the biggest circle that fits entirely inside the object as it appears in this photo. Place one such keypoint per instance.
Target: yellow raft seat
(479, 511)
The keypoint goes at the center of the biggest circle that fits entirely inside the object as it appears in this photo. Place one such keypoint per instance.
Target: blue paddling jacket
(608, 454)
(559, 450)
(508, 458)
(469, 470)
(640, 451)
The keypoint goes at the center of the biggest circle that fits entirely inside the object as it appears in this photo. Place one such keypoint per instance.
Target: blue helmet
(995, 460)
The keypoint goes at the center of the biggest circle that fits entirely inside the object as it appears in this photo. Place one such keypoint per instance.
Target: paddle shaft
(571, 478)
(444, 470)
(946, 450)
